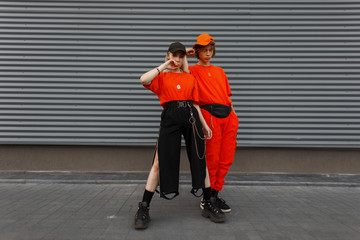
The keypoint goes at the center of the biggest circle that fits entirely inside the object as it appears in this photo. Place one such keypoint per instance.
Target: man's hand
(190, 52)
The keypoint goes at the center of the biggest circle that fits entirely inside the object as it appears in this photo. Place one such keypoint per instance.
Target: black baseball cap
(176, 46)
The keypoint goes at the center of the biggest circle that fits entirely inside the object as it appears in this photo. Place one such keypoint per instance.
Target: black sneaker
(202, 203)
(142, 217)
(222, 204)
(213, 211)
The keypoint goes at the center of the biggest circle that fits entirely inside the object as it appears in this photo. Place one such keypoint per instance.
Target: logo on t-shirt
(178, 86)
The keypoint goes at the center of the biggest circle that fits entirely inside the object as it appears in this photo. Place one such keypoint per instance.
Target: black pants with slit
(174, 123)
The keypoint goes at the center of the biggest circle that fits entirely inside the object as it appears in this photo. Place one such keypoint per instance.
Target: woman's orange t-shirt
(213, 84)
(170, 86)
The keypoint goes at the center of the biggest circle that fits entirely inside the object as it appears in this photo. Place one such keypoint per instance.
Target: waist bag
(218, 110)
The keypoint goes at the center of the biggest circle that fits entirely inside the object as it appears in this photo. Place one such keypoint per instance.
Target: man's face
(206, 53)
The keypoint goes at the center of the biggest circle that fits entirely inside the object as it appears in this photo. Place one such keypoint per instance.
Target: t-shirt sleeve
(154, 86)
(195, 91)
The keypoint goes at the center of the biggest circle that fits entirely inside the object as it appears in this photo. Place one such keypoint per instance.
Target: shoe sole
(226, 210)
(207, 214)
(141, 226)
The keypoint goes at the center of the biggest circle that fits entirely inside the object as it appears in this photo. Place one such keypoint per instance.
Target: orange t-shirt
(213, 84)
(170, 86)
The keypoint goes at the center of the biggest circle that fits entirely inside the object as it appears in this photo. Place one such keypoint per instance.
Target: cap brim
(197, 44)
(177, 49)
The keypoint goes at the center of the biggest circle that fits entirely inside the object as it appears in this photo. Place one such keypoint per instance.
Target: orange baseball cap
(204, 39)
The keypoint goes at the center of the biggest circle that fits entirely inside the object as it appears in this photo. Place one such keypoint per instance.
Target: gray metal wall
(69, 71)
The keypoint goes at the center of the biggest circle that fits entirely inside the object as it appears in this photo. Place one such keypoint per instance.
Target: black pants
(174, 123)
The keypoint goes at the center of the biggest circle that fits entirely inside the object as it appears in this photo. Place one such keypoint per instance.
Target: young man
(218, 111)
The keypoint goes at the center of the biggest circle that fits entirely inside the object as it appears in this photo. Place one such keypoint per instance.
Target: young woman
(218, 111)
(178, 94)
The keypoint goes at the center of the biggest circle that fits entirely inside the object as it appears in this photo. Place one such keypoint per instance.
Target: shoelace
(214, 207)
(143, 212)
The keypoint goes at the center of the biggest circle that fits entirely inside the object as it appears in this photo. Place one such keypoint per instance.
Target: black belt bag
(218, 110)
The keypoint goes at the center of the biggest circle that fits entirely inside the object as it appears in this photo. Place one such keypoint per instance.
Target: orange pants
(220, 149)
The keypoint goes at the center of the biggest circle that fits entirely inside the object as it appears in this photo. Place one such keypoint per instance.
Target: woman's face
(178, 58)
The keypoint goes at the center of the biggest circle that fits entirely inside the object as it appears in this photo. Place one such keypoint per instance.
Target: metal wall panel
(69, 70)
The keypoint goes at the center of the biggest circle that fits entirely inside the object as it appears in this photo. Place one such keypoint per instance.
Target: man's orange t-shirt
(213, 84)
(170, 86)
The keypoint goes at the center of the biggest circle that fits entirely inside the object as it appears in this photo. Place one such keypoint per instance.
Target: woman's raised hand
(170, 65)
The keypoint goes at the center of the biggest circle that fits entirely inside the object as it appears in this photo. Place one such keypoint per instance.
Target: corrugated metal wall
(69, 71)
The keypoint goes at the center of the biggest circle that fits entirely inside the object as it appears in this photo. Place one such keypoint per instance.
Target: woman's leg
(207, 179)
(153, 178)
(142, 217)
(206, 190)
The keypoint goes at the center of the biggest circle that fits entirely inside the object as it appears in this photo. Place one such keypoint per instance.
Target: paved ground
(43, 208)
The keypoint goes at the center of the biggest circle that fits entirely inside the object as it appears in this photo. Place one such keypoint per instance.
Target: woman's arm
(147, 77)
(206, 129)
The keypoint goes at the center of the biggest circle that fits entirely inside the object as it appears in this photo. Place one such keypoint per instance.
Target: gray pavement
(102, 206)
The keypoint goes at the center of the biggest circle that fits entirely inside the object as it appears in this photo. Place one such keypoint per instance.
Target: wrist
(161, 67)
